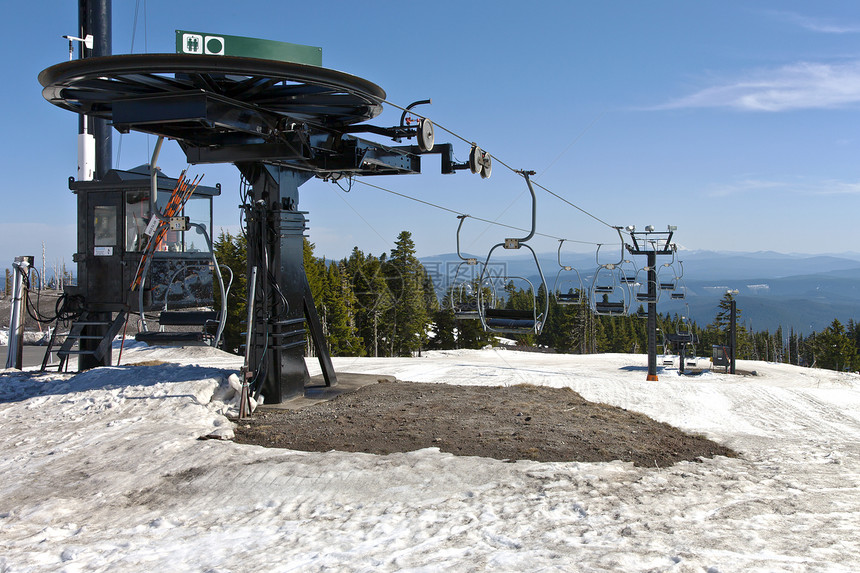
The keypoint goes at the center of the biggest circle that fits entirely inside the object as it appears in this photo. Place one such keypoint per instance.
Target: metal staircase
(83, 329)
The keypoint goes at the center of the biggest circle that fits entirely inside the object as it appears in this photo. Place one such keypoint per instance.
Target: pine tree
(410, 320)
(724, 315)
(339, 303)
(835, 350)
(232, 251)
(373, 298)
(315, 270)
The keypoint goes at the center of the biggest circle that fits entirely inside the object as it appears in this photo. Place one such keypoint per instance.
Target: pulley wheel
(299, 92)
(425, 134)
(476, 159)
(486, 165)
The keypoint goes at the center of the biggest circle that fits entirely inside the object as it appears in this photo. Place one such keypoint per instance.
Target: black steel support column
(652, 315)
(275, 247)
(275, 230)
(94, 17)
(733, 334)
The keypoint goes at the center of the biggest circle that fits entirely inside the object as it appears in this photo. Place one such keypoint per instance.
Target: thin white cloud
(808, 188)
(745, 186)
(804, 85)
(820, 25)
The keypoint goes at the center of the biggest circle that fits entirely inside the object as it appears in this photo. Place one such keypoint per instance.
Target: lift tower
(281, 123)
(651, 244)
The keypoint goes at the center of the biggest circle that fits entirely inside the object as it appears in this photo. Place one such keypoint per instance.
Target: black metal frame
(660, 243)
(281, 123)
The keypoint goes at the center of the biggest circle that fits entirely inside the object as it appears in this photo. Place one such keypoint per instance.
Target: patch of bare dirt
(506, 423)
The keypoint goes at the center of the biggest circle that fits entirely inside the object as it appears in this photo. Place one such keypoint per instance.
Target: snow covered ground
(103, 471)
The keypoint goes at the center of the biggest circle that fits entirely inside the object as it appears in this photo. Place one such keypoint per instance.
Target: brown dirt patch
(506, 423)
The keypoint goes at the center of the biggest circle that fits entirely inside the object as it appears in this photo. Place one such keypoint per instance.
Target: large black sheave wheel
(303, 93)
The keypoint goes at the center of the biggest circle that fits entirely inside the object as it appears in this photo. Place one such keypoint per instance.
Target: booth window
(197, 208)
(104, 225)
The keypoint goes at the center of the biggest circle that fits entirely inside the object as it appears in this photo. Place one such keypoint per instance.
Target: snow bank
(104, 471)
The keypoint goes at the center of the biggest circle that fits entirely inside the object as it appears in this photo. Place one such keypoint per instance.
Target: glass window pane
(105, 225)
(136, 219)
(198, 210)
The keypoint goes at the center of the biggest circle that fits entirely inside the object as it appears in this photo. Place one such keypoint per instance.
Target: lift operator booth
(113, 214)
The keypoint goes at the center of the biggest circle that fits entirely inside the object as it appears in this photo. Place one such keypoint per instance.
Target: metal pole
(733, 334)
(14, 359)
(94, 17)
(247, 374)
(652, 316)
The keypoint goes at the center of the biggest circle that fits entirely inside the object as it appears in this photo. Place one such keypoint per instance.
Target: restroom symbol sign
(200, 44)
(192, 43)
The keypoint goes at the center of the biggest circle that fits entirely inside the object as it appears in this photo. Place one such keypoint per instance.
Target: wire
(442, 208)
(572, 143)
(500, 162)
(372, 228)
(578, 208)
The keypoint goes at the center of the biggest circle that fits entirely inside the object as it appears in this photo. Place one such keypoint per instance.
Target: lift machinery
(281, 123)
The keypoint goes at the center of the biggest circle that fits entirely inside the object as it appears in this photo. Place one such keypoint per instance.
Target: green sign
(222, 45)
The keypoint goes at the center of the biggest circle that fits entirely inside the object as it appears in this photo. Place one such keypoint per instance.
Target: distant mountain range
(804, 292)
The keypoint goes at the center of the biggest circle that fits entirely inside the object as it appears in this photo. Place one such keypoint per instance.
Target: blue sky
(736, 121)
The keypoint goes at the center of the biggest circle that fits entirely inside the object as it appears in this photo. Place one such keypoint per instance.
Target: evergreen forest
(387, 305)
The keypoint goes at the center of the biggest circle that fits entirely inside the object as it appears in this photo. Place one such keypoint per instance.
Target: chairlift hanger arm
(460, 226)
(621, 260)
(560, 243)
(516, 243)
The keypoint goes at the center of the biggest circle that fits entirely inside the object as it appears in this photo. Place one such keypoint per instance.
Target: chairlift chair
(496, 317)
(627, 277)
(464, 296)
(680, 291)
(643, 291)
(507, 320)
(670, 280)
(464, 300)
(568, 289)
(609, 295)
(671, 276)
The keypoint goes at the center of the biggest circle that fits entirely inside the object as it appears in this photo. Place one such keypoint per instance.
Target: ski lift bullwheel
(101, 86)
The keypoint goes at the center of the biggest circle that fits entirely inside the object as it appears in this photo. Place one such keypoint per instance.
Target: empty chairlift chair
(667, 276)
(680, 292)
(568, 289)
(208, 324)
(628, 275)
(495, 314)
(645, 290)
(464, 296)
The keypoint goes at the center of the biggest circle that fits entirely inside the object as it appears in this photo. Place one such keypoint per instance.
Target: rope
(517, 171)
(455, 212)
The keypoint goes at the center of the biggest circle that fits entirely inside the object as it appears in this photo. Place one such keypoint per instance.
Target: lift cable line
(572, 143)
(455, 212)
(499, 161)
(580, 209)
(359, 215)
